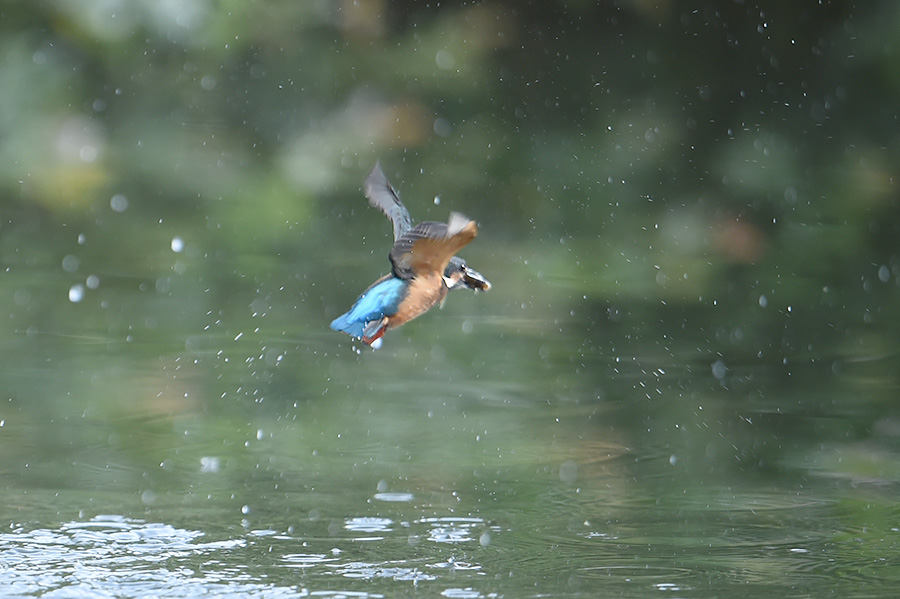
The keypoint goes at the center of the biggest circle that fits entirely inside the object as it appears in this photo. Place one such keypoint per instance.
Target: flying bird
(424, 267)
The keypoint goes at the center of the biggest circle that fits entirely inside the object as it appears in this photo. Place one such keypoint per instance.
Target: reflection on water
(115, 555)
(565, 545)
(118, 556)
(229, 480)
(652, 481)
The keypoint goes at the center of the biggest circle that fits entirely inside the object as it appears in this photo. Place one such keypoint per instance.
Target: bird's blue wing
(380, 300)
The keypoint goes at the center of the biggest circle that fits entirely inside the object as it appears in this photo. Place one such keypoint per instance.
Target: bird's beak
(475, 280)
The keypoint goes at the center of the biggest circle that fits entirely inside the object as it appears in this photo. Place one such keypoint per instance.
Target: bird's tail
(344, 325)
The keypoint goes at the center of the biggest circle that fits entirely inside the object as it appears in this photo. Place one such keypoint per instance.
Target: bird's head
(458, 275)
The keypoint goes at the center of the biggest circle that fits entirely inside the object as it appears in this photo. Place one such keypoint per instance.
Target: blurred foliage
(705, 139)
(659, 184)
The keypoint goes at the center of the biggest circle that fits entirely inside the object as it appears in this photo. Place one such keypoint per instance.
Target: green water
(471, 456)
(683, 382)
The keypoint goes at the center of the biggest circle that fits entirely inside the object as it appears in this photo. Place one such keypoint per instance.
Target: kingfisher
(424, 267)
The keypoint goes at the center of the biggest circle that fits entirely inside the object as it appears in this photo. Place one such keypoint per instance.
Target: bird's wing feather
(383, 196)
(428, 246)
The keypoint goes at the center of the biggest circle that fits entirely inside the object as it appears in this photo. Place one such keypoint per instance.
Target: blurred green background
(704, 164)
(688, 210)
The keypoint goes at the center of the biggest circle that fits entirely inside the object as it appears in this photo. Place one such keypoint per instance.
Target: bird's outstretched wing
(429, 246)
(384, 197)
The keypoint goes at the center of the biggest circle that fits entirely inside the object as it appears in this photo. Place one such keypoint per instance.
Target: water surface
(182, 472)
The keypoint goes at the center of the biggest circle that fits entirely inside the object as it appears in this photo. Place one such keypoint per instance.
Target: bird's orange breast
(424, 293)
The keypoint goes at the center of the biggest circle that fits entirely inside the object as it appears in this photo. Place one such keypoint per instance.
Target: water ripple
(113, 556)
(453, 529)
(391, 570)
(366, 524)
(306, 560)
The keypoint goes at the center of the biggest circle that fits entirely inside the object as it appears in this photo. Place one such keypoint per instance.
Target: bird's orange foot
(375, 337)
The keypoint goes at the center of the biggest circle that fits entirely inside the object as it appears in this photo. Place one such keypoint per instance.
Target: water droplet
(209, 464)
(444, 60)
(88, 153)
(568, 471)
(76, 293)
(118, 203)
(719, 369)
(70, 263)
(442, 127)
